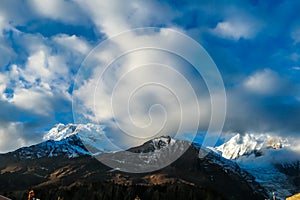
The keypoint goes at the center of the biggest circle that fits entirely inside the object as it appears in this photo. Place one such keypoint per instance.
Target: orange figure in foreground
(31, 195)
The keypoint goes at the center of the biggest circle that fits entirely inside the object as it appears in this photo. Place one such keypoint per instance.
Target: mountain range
(61, 167)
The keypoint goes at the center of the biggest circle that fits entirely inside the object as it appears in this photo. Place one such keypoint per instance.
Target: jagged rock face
(80, 177)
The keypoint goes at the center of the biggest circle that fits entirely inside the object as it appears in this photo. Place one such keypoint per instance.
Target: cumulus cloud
(265, 82)
(66, 11)
(37, 71)
(73, 43)
(32, 100)
(49, 63)
(3, 25)
(35, 85)
(19, 135)
(118, 16)
(3, 83)
(19, 126)
(13, 129)
(237, 28)
(232, 30)
(7, 53)
(265, 102)
(144, 94)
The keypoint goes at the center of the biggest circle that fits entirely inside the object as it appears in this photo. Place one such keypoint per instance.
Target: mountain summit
(270, 159)
(245, 145)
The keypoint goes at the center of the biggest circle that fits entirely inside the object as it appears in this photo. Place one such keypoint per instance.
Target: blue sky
(255, 44)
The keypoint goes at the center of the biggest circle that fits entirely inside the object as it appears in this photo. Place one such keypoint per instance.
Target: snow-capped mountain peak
(91, 135)
(61, 131)
(70, 140)
(244, 145)
(263, 155)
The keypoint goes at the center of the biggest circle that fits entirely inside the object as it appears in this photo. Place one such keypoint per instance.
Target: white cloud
(296, 68)
(264, 82)
(237, 28)
(108, 16)
(35, 100)
(43, 69)
(3, 25)
(65, 11)
(58, 68)
(47, 71)
(114, 16)
(7, 54)
(3, 84)
(43, 79)
(32, 43)
(73, 42)
(6, 51)
(17, 134)
(36, 67)
(10, 136)
(296, 35)
(144, 99)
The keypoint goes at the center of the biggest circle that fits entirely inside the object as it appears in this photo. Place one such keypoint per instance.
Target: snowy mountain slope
(61, 131)
(69, 141)
(261, 155)
(87, 132)
(230, 166)
(92, 136)
(70, 147)
(272, 180)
